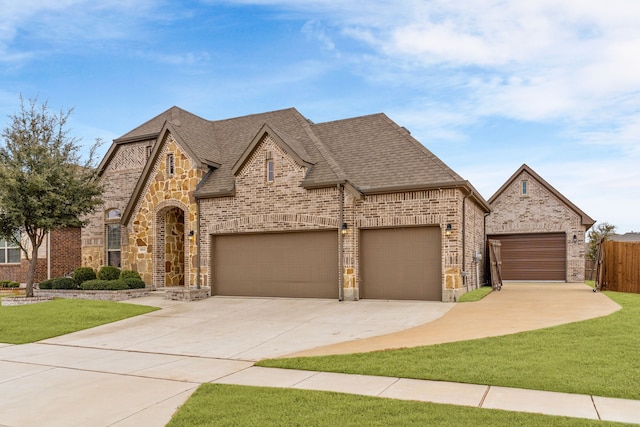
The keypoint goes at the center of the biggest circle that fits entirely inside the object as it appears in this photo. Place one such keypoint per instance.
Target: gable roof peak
(585, 219)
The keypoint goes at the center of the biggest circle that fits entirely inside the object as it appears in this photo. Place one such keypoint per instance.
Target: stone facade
(160, 243)
(541, 210)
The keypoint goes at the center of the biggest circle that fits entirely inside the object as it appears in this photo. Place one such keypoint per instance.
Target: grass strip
(229, 405)
(34, 322)
(597, 357)
(476, 294)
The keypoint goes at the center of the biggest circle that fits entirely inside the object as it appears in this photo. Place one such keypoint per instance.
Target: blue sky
(486, 85)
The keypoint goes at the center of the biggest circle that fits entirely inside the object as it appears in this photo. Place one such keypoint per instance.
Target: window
(113, 245)
(113, 214)
(9, 252)
(270, 173)
(171, 168)
(525, 187)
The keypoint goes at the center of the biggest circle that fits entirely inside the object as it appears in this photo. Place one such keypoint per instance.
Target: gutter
(198, 244)
(340, 243)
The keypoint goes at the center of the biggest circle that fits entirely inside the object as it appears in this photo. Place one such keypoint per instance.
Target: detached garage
(542, 233)
(295, 264)
(401, 263)
(533, 257)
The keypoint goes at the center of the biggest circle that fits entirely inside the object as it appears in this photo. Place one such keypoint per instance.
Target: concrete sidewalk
(480, 396)
(140, 370)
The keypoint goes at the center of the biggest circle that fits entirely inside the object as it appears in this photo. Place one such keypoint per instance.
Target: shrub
(46, 284)
(83, 274)
(133, 283)
(104, 285)
(129, 274)
(109, 273)
(64, 283)
(9, 284)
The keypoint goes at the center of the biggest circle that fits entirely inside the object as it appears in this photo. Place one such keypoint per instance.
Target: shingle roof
(372, 153)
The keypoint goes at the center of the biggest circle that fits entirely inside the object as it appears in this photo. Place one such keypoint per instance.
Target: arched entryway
(169, 259)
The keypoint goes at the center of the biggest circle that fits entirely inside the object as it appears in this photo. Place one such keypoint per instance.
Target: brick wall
(65, 251)
(119, 179)
(65, 257)
(539, 212)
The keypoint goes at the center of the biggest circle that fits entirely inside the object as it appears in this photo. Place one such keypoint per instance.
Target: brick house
(273, 204)
(59, 255)
(542, 233)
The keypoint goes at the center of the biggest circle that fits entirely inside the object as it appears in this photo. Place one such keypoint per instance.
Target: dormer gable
(289, 145)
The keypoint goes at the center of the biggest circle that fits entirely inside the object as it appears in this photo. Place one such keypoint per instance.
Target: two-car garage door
(395, 263)
(533, 257)
(297, 264)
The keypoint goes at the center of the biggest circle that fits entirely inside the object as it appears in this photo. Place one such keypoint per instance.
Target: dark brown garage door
(533, 256)
(401, 263)
(303, 265)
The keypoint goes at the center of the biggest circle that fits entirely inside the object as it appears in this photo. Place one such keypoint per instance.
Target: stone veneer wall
(539, 212)
(147, 245)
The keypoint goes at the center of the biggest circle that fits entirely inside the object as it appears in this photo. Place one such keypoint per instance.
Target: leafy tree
(45, 184)
(603, 230)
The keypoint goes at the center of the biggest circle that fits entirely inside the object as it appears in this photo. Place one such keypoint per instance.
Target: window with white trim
(113, 245)
(171, 167)
(112, 219)
(9, 251)
(270, 171)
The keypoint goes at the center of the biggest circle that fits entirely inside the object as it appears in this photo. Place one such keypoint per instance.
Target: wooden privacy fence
(619, 268)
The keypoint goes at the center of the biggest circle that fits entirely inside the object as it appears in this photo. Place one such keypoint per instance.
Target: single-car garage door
(533, 257)
(401, 263)
(297, 264)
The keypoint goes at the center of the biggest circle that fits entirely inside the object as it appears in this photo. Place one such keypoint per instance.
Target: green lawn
(597, 356)
(476, 294)
(35, 322)
(228, 405)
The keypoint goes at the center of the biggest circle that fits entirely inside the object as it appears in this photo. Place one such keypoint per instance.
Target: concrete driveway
(140, 370)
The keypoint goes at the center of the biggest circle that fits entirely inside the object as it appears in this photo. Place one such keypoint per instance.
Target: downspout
(340, 243)
(484, 247)
(197, 243)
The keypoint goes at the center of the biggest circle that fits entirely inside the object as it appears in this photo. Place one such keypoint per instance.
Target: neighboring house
(541, 231)
(59, 255)
(273, 204)
(626, 237)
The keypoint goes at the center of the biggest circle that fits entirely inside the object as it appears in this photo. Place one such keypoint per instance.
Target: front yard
(597, 357)
(35, 322)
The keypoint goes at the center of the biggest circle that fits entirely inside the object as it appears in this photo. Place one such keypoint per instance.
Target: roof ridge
(246, 116)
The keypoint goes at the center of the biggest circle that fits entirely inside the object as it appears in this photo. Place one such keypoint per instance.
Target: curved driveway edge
(518, 307)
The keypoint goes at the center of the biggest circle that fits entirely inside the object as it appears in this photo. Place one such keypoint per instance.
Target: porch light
(575, 239)
(448, 230)
(344, 228)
